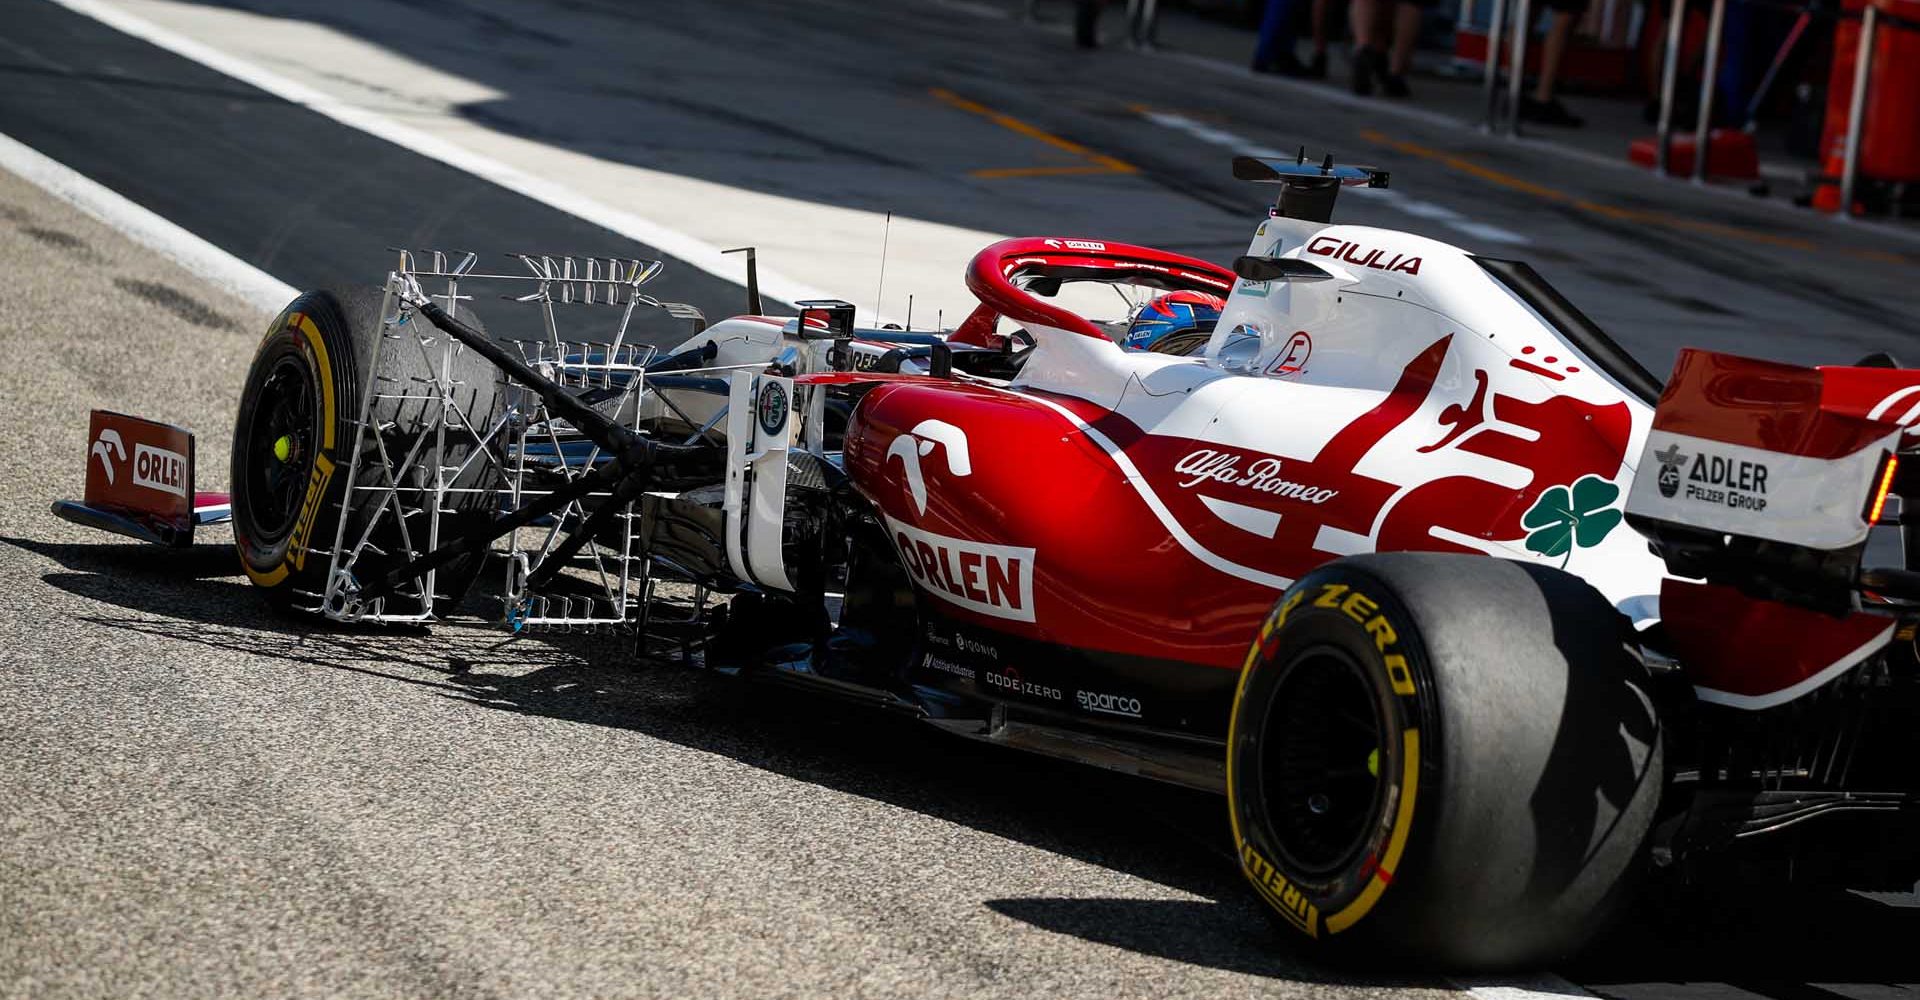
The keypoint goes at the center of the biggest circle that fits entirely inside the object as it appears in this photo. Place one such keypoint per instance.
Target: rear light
(1877, 503)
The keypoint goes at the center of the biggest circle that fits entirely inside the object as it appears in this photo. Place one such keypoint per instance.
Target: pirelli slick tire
(294, 434)
(1442, 761)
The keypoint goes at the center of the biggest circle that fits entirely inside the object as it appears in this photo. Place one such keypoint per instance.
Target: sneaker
(1286, 64)
(1548, 112)
(1363, 72)
(1317, 68)
(1395, 84)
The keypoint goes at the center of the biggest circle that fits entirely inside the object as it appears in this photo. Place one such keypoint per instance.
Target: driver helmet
(1162, 321)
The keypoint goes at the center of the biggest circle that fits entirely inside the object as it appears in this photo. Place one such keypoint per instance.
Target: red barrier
(1731, 154)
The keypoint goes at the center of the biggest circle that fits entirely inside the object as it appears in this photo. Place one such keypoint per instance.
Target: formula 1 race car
(1259, 568)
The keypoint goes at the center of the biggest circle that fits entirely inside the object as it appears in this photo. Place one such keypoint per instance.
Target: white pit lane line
(1542, 987)
(211, 264)
(668, 241)
(1485, 232)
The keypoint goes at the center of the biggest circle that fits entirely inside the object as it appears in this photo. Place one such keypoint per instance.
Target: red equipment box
(1890, 134)
(1730, 154)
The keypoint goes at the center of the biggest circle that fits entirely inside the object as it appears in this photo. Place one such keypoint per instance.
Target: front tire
(1443, 760)
(295, 431)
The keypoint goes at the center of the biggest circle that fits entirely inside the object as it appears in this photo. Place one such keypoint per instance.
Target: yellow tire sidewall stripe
(324, 376)
(1396, 842)
(1275, 618)
(310, 506)
(1389, 862)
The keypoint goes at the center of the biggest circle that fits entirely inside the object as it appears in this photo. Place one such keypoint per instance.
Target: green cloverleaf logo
(1567, 517)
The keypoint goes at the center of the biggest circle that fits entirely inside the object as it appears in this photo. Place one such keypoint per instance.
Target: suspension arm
(389, 583)
(596, 426)
(613, 506)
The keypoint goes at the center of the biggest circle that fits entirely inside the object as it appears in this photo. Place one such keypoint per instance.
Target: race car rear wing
(1758, 486)
(1768, 476)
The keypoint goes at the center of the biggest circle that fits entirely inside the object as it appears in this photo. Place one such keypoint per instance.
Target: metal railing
(1502, 111)
(1857, 109)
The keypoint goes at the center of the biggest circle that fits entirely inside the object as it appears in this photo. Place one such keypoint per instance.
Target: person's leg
(1150, 23)
(1086, 23)
(1362, 16)
(1653, 47)
(1653, 55)
(1558, 34)
(1734, 84)
(1542, 108)
(1275, 50)
(1406, 32)
(1360, 20)
(1392, 69)
(1316, 66)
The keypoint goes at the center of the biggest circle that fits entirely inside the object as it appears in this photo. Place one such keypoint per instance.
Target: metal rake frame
(602, 465)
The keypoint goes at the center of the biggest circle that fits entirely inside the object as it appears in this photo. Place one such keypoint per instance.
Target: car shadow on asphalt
(1774, 944)
(1234, 935)
(1168, 836)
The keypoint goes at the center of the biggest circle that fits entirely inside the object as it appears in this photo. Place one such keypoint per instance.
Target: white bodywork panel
(1326, 352)
(760, 421)
(741, 340)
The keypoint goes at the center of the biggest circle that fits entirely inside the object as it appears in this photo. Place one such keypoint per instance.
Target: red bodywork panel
(142, 470)
(1118, 550)
(140, 482)
(1103, 572)
(1751, 654)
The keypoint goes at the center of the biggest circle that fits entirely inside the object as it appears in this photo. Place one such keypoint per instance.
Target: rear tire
(295, 431)
(1443, 760)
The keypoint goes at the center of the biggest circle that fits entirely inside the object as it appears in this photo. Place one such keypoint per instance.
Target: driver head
(1162, 322)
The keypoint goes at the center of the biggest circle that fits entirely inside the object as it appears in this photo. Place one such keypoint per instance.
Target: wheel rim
(1320, 763)
(279, 449)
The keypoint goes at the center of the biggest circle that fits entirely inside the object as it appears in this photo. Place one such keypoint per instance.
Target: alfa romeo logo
(773, 407)
(1670, 462)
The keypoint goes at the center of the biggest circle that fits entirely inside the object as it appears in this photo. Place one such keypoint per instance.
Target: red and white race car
(1259, 567)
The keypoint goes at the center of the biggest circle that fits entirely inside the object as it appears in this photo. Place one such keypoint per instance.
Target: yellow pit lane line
(1098, 163)
(1651, 217)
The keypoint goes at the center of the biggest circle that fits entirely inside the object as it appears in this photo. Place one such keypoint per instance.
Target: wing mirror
(1241, 350)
